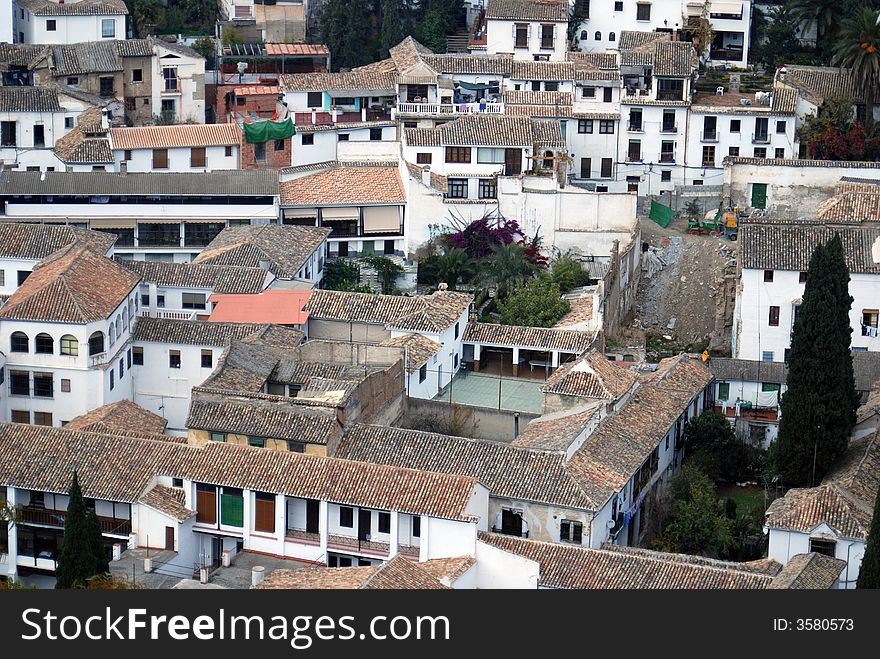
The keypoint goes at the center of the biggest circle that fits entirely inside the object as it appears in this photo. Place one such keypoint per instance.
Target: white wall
(500, 39)
(190, 99)
(785, 544)
(499, 569)
(69, 29)
(179, 159)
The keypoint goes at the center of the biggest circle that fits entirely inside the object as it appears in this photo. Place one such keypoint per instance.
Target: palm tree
(453, 265)
(858, 49)
(826, 15)
(508, 267)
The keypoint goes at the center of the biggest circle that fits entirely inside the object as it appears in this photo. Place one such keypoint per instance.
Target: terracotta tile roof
(20, 54)
(78, 8)
(192, 332)
(612, 567)
(557, 431)
(548, 134)
(630, 39)
(345, 185)
(537, 98)
(296, 49)
(809, 571)
(37, 241)
(360, 81)
(286, 247)
(849, 184)
(419, 349)
(257, 90)
(580, 315)
(508, 471)
(421, 313)
(218, 278)
(784, 101)
(528, 10)
(396, 574)
(262, 418)
(450, 63)
(29, 99)
(851, 207)
(280, 306)
(532, 70)
(448, 570)
(538, 338)
(604, 61)
(422, 136)
(74, 285)
(473, 130)
(818, 83)
(121, 468)
(120, 417)
(538, 110)
(797, 162)
(748, 370)
(591, 376)
(408, 53)
(168, 500)
(84, 58)
(587, 74)
(149, 137)
(770, 246)
(674, 58)
(78, 148)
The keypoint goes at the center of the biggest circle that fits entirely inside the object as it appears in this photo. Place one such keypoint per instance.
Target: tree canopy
(537, 303)
(82, 554)
(869, 573)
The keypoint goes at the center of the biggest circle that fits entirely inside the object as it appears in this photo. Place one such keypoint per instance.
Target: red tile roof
(296, 49)
(345, 185)
(149, 137)
(280, 307)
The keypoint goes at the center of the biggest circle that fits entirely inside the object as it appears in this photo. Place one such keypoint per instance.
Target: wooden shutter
(206, 506)
(197, 157)
(264, 513)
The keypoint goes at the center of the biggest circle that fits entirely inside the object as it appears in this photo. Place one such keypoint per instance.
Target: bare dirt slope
(691, 298)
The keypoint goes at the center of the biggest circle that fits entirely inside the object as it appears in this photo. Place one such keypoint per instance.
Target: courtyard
(494, 391)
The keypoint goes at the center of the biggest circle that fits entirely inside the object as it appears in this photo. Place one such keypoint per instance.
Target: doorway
(169, 538)
(365, 519)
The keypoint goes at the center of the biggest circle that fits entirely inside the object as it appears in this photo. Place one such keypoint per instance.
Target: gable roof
(168, 500)
(528, 10)
(29, 99)
(121, 417)
(818, 83)
(809, 571)
(357, 80)
(491, 130)
(419, 349)
(286, 247)
(218, 278)
(591, 376)
(78, 8)
(396, 574)
(183, 135)
(19, 240)
(74, 285)
(193, 332)
(345, 185)
(539, 338)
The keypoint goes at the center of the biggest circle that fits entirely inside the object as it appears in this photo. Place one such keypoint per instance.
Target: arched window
(69, 345)
(19, 342)
(112, 334)
(584, 35)
(43, 344)
(612, 36)
(598, 36)
(96, 343)
(548, 160)
(125, 318)
(118, 326)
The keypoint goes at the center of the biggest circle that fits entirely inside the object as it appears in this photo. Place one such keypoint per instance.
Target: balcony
(669, 128)
(760, 138)
(450, 108)
(349, 543)
(635, 127)
(303, 536)
(56, 518)
(709, 136)
(98, 358)
(726, 54)
(172, 315)
(667, 157)
(409, 551)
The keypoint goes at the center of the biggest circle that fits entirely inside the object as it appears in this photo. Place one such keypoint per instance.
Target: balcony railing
(172, 315)
(870, 330)
(349, 543)
(667, 157)
(57, 518)
(709, 136)
(760, 138)
(408, 550)
(450, 108)
(635, 127)
(301, 535)
(669, 128)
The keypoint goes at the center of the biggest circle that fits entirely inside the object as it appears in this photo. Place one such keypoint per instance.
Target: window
(723, 391)
(315, 99)
(634, 152)
(170, 76)
(802, 277)
(768, 276)
(96, 343)
(709, 156)
(39, 136)
(618, 6)
(612, 36)
(733, 151)
(571, 531)
(606, 126)
(423, 372)
(585, 125)
(547, 39)
(106, 86)
(228, 152)
(308, 139)
(598, 36)
(606, 168)
(145, 299)
(346, 517)
(18, 342)
(375, 134)
(260, 149)
(384, 522)
(174, 358)
(774, 317)
(643, 11)
(767, 356)
(780, 127)
(458, 154)
(666, 176)
(456, 331)
(197, 157)
(670, 89)
(51, 25)
(488, 188)
(588, 92)
(217, 436)
(735, 125)
(486, 155)
(69, 345)
(42, 418)
(193, 300)
(779, 153)
(870, 317)
(551, 86)
(667, 151)
(160, 158)
(295, 447)
(232, 507)
(606, 97)
(257, 442)
(207, 359)
(206, 504)
(457, 188)
(21, 416)
(43, 385)
(823, 546)
(521, 35)
(43, 344)
(761, 152)
(770, 386)
(112, 379)
(586, 167)
(137, 75)
(20, 384)
(264, 512)
(7, 133)
(698, 181)
(65, 385)
(108, 28)
(121, 368)
(68, 122)
(422, 158)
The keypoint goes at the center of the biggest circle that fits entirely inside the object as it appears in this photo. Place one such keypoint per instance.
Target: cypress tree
(96, 542)
(78, 561)
(819, 407)
(869, 573)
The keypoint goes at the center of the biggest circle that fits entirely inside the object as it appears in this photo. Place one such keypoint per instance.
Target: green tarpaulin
(661, 214)
(263, 131)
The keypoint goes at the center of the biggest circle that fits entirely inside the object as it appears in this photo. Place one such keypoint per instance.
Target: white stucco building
(527, 30)
(73, 21)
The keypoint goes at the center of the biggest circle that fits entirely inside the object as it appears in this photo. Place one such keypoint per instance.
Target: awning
(301, 212)
(347, 213)
(381, 219)
(160, 220)
(112, 224)
(734, 8)
(474, 86)
(205, 220)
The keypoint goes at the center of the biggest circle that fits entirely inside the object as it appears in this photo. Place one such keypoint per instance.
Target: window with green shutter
(231, 507)
(770, 386)
(723, 391)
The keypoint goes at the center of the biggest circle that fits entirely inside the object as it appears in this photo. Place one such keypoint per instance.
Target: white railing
(173, 315)
(450, 108)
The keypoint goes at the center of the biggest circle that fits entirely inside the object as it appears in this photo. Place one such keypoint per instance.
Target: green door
(759, 195)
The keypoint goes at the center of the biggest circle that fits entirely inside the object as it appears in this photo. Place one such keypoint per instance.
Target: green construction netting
(660, 213)
(263, 131)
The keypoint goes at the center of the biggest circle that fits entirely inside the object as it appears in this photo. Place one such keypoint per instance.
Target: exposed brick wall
(274, 159)
(264, 106)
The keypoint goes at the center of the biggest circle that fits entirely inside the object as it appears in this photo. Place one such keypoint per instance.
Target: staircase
(458, 42)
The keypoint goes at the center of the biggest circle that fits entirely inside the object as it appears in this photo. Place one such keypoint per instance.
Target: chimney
(264, 264)
(426, 176)
(105, 119)
(333, 114)
(363, 114)
(314, 117)
(123, 167)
